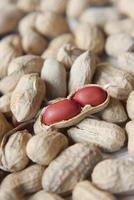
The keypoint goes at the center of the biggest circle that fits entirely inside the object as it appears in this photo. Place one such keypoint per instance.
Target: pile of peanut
(66, 99)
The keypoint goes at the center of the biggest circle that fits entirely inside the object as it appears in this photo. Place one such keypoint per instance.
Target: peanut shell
(129, 106)
(86, 190)
(55, 77)
(126, 62)
(9, 18)
(27, 97)
(30, 62)
(56, 44)
(48, 145)
(114, 45)
(27, 181)
(114, 112)
(34, 43)
(42, 194)
(58, 6)
(108, 136)
(5, 104)
(56, 24)
(27, 23)
(82, 70)
(120, 26)
(72, 165)
(115, 176)
(130, 134)
(67, 54)
(13, 151)
(28, 5)
(99, 15)
(89, 37)
(118, 87)
(10, 48)
(39, 127)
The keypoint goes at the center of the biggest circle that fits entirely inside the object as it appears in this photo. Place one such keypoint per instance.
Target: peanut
(114, 175)
(56, 79)
(27, 97)
(72, 165)
(86, 190)
(48, 145)
(108, 136)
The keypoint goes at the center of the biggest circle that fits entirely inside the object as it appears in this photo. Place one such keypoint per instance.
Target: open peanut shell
(87, 110)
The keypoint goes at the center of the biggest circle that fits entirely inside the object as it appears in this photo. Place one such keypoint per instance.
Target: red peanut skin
(92, 95)
(59, 111)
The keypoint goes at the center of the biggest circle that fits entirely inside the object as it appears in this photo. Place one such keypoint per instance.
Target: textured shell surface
(86, 190)
(27, 180)
(82, 71)
(27, 61)
(55, 76)
(48, 146)
(118, 87)
(110, 137)
(114, 112)
(13, 152)
(72, 165)
(27, 97)
(113, 174)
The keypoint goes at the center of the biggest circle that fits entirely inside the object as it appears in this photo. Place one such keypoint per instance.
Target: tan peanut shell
(5, 104)
(9, 18)
(86, 190)
(39, 127)
(27, 61)
(82, 71)
(48, 146)
(27, 97)
(14, 195)
(27, 181)
(114, 45)
(125, 25)
(130, 135)
(126, 7)
(118, 87)
(28, 5)
(8, 83)
(115, 176)
(126, 62)
(99, 15)
(58, 6)
(10, 48)
(108, 136)
(13, 151)
(74, 9)
(56, 44)
(56, 24)
(67, 54)
(42, 194)
(27, 23)
(130, 105)
(89, 37)
(34, 43)
(71, 166)
(114, 112)
(4, 126)
(55, 76)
